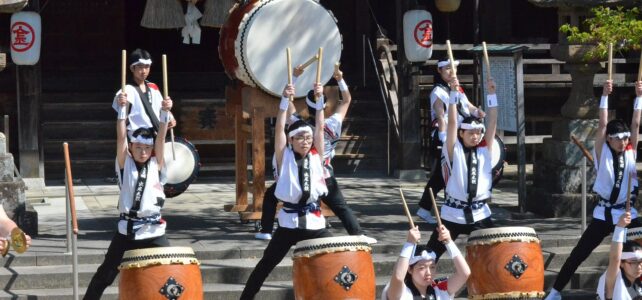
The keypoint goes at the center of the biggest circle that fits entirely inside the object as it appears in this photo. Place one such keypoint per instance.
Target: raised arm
(600, 134)
(635, 121)
(280, 139)
(159, 144)
(462, 270)
(121, 130)
(615, 254)
(451, 134)
(491, 117)
(342, 109)
(397, 286)
(320, 119)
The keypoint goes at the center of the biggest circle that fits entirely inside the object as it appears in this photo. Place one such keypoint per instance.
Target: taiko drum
(634, 234)
(160, 274)
(333, 268)
(505, 263)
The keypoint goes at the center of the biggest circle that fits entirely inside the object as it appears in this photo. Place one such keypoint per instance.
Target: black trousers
(436, 180)
(455, 230)
(334, 200)
(276, 250)
(108, 270)
(596, 231)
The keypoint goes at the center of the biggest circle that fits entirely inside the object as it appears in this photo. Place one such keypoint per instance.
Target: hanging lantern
(11, 6)
(25, 33)
(163, 14)
(216, 12)
(447, 5)
(417, 35)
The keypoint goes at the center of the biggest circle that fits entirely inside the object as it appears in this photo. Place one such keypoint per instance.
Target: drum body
(333, 268)
(255, 36)
(181, 170)
(160, 274)
(505, 263)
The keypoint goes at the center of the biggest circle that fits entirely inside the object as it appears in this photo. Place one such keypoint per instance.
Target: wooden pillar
(258, 157)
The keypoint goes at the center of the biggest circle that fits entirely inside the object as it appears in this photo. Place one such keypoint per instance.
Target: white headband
(629, 255)
(312, 104)
(307, 129)
(425, 255)
(142, 62)
(620, 135)
(141, 140)
(445, 63)
(470, 126)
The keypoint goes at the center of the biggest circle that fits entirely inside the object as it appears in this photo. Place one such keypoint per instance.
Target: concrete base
(550, 205)
(13, 197)
(417, 174)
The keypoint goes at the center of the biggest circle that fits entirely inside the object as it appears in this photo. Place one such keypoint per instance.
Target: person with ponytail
(299, 186)
(414, 275)
(615, 154)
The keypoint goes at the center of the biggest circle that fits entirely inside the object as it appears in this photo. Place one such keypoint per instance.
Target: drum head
(264, 34)
(312, 247)
(140, 258)
(181, 167)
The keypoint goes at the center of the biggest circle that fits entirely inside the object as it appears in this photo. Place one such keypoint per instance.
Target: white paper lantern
(25, 31)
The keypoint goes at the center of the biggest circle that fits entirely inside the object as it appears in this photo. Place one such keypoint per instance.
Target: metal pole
(74, 256)
(68, 215)
(363, 63)
(583, 194)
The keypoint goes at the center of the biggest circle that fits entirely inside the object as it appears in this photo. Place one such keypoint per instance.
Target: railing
(72, 222)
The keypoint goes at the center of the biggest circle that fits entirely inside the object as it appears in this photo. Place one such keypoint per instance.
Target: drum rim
(179, 249)
(348, 243)
(170, 188)
(487, 236)
(509, 295)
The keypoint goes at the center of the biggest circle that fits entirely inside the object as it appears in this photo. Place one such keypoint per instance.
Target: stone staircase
(224, 272)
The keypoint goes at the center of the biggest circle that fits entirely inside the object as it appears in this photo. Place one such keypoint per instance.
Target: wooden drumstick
(486, 60)
(123, 75)
(628, 193)
(309, 62)
(405, 208)
(289, 59)
(585, 151)
(640, 68)
(610, 66)
(434, 207)
(451, 58)
(319, 62)
(166, 95)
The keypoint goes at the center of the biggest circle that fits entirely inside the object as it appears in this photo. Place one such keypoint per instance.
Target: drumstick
(628, 193)
(319, 62)
(610, 66)
(166, 95)
(122, 111)
(584, 150)
(434, 207)
(486, 60)
(451, 58)
(405, 208)
(309, 62)
(289, 59)
(640, 68)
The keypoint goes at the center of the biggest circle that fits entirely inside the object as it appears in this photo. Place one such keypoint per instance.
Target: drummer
(332, 132)
(622, 277)
(143, 96)
(139, 163)
(414, 275)
(438, 116)
(468, 155)
(6, 226)
(615, 156)
(301, 217)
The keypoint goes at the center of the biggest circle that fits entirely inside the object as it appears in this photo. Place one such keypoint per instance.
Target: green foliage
(619, 26)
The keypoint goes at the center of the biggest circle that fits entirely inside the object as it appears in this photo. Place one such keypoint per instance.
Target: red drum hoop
(180, 173)
(254, 38)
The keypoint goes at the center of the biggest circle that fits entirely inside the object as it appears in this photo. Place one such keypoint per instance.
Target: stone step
(76, 130)
(78, 111)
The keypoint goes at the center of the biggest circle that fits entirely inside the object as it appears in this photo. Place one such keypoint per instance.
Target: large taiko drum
(333, 268)
(255, 36)
(634, 234)
(505, 263)
(181, 166)
(160, 274)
